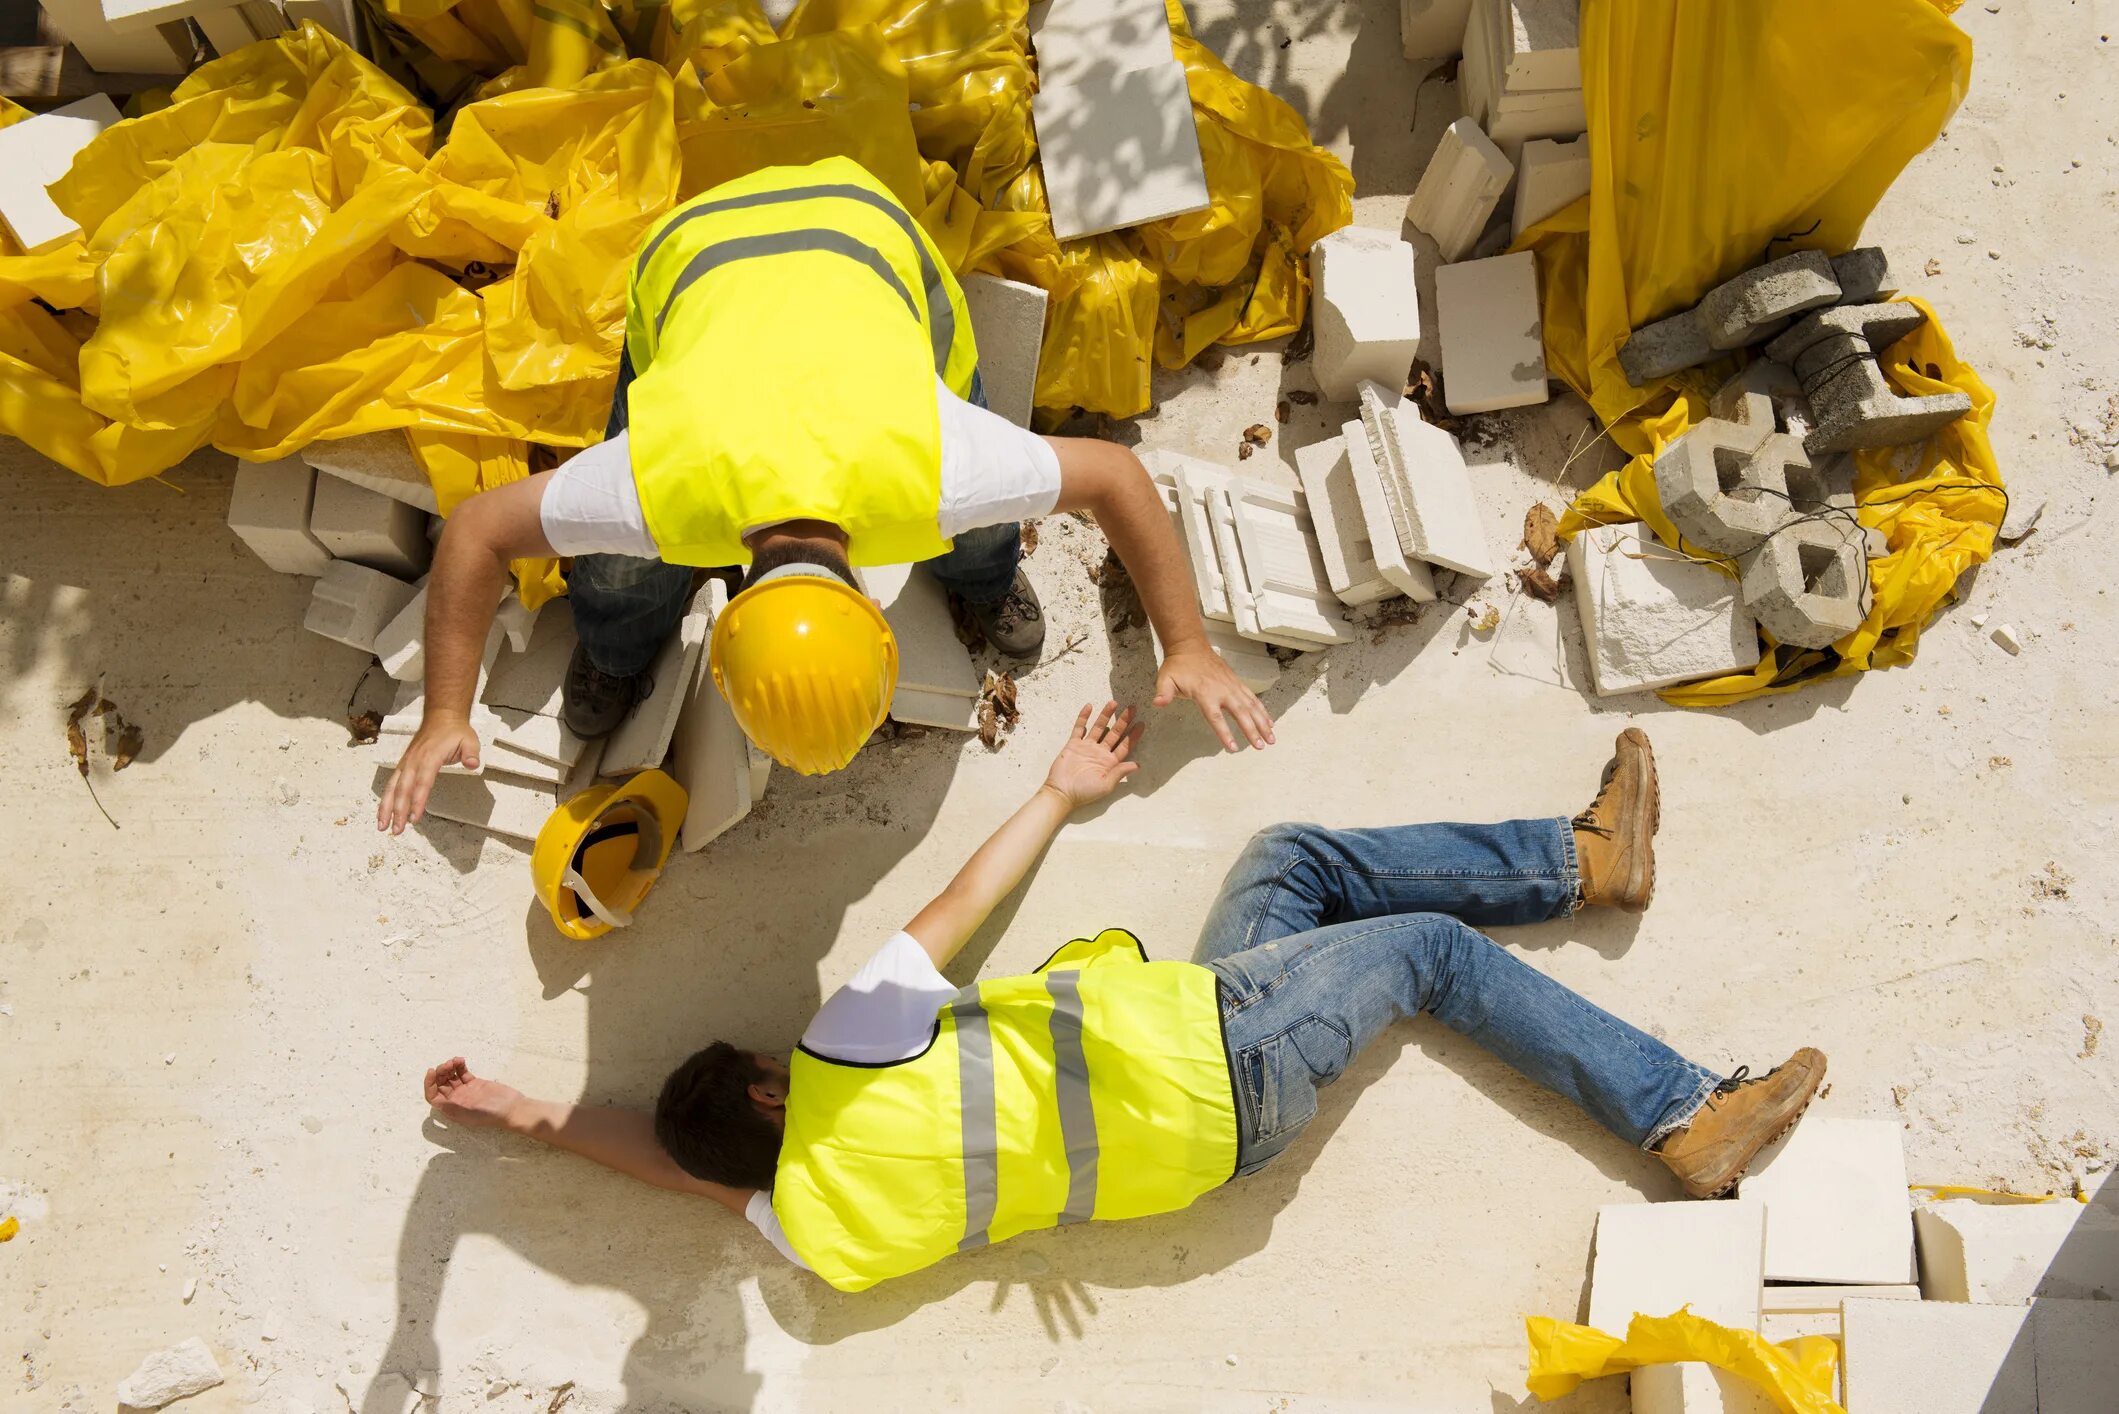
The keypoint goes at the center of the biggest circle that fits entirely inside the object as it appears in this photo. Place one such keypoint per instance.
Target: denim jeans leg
(980, 567)
(625, 608)
(1298, 1009)
(1292, 878)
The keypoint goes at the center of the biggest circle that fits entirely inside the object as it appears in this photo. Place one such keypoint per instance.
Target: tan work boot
(1615, 836)
(1740, 1118)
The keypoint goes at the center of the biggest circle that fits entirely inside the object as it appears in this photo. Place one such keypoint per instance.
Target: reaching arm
(1109, 482)
(1088, 768)
(618, 1139)
(470, 569)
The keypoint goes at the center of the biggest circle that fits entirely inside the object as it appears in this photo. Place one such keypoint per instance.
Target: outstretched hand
(469, 1100)
(1211, 684)
(1093, 762)
(439, 742)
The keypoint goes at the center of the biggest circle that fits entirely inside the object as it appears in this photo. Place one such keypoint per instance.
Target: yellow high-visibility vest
(1097, 1087)
(785, 331)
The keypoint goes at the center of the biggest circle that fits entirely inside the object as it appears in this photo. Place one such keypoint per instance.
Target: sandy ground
(216, 1015)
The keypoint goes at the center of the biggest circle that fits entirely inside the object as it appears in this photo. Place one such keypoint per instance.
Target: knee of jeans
(614, 572)
(1459, 953)
(1288, 835)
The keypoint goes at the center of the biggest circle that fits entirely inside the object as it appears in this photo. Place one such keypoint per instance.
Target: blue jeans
(1322, 938)
(626, 608)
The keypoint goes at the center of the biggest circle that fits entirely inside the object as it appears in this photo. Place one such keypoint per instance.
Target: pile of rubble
(1951, 1305)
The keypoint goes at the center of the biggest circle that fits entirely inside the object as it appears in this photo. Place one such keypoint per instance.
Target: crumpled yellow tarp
(1722, 136)
(285, 253)
(1798, 1377)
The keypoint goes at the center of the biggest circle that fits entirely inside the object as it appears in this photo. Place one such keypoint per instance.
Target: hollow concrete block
(351, 603)
(1724, 484)
(1879, 325)
(1668, 346)
(1758, 303)
(1864, 275)
(268, 509)
(1837, 1209)
(1493, 348)
(1459, 190)
(1807, 584)
(357, 524)
(1366, 310)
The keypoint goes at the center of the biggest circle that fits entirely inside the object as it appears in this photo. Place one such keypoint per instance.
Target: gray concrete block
(1749, 307)
(1864, 275)
(1724, 484)
(1665, 347)
(1880, 324)
(1807, 585)
(351, 603)
(1853, 405)
(357, 524)
(1763, 395)
(268, 509)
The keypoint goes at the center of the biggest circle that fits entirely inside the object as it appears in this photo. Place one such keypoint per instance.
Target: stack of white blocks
(1366, 310)
(1116, 137)
(1254, 667)
(1522, 70)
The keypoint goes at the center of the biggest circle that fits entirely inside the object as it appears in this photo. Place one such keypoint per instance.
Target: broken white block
(1652, 1258)
(1459, 190)
(1381, 492)
(1283, 581)
(268, 509)
(1008, 326)
(1837, 1209)
(356, 524)
(1493, 349)
(1551, 176)
(1366, 310)
(643, 739)
(1254, 667)
(183, 1370)
(36, 152)
(1432, 29)
(937, 684)
(381, 462)
(401, 646)
(2076, 1353)
(1077, 39)
(1335, 513)
(1650, 617)
(1437, 515)
(2007, 1253)
(2005, 636)
(710, 757)
(1119, 149)
(1936, 1357)
(351, 603)
(1207, 515)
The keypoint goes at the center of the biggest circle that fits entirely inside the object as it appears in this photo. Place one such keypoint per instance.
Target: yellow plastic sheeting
(1797, 1377)
(1722, 136)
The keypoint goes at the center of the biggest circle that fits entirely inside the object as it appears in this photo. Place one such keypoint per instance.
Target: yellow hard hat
(808, 665)
(598, 854)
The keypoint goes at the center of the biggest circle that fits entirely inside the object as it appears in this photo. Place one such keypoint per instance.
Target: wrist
(1053, 795)
(522, 1116)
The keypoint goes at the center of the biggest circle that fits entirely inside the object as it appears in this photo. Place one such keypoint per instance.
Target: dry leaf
(1029, 538)
(1483, 622)
(1301, 346)
(1302, 397)
(1541, 533)
(365, 727)
(1258, 434)
(1244, 450)
(91, 703)
(1280, 410)
(989, 725)
(1539, 584)
(997, 709)
(130, 740)
(1934, 267)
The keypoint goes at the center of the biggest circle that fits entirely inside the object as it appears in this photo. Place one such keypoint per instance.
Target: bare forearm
(990, 875)
(618, 1139)
(1117, 490)
(462, 594)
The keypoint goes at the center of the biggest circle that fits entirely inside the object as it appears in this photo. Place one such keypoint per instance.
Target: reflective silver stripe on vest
(982, 1142)
(1076, 1114)
(782, 243)
(941, 317)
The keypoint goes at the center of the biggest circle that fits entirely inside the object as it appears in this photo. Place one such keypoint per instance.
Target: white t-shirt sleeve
(592, 507)
(886, 1012)
(762, 1217)
(993, 471)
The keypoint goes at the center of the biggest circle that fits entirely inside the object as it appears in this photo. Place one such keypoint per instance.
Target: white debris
(2005, 635)
(169, 1375)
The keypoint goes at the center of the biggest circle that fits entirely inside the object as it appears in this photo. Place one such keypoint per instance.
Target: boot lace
(1015, 609)
(1588, 820)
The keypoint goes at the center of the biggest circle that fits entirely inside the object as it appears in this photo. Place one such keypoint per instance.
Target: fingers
(1165, 689)
(1081, 720)
(1103, 723)
(1257, 723)
(1211, 710)
(1127, 735)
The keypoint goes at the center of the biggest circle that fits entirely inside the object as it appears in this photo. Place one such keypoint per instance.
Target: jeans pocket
(1282, 1090)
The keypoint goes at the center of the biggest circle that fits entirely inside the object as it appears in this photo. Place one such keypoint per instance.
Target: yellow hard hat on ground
(807, 664)
(598, 854)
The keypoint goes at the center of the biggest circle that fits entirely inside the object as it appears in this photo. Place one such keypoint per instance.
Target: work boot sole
(1743, 1163)
(1639, 843)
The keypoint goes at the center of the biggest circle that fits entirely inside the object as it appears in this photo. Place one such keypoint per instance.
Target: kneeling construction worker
(806, 400)
(920, 1119)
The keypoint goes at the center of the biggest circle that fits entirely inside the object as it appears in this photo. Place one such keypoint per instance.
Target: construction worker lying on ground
(920, 1118)
(807, 399)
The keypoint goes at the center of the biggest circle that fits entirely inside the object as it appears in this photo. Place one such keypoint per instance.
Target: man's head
(814, 545)
(720, 1116)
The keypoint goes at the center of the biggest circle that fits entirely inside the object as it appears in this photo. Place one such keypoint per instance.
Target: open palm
(1093, 761)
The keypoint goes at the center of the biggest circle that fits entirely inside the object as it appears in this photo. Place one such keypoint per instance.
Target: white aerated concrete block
(643, 739)
(1283, 579)
(1783, 1298)
(36, 152)
(268, 509)
(1008, 325)
(516, 621)
(401, 646)
(1205, 510)
(169, 1375)
(1254, 667)
(1077, 39)
(1459, 190)
(1435, 512)
(356, 524)
(351, 603)
(2076, 1345)
(1935, 1357)
(1651, 618)
(531, 680)
(380, 461)
(1366, 314)
(109, 49)
(1837, 1209)
(2007, 1253)
(1493, 345)
(937, 684)
(1696, 1388)
(1432, 29)
(1119, 149)
(1540, 48)
(710, 757)
(1652, 1258)
(1380, 488)
(1335, 513)
(513, 807)
(1550, 176)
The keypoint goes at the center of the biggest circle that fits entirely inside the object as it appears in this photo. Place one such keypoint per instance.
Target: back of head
(816, 554)
(706, 1121)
